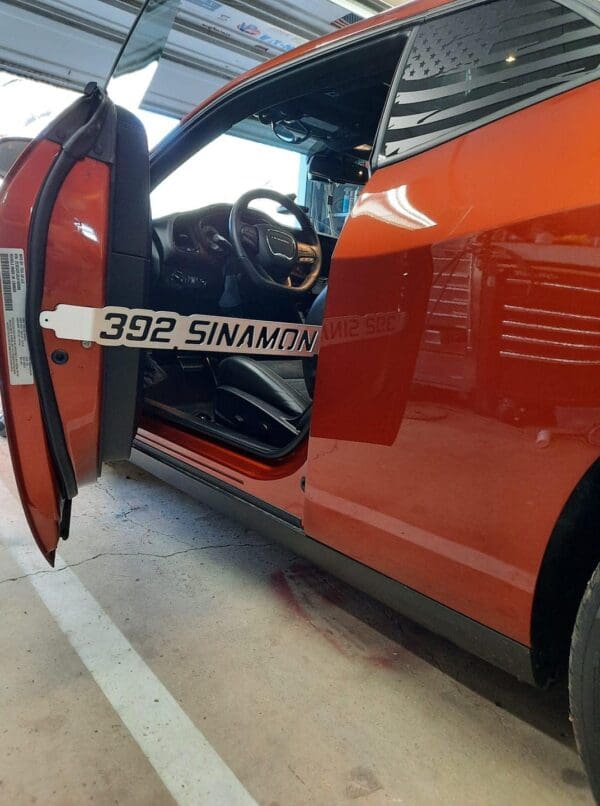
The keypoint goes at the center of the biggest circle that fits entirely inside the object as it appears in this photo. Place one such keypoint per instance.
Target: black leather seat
(277, 382)
(267, 398)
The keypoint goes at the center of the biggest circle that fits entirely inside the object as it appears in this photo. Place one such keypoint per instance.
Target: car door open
(74, 230)
(76, 249)
(74, 227)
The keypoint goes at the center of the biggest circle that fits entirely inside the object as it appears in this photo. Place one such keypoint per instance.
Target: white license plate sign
(165, 330)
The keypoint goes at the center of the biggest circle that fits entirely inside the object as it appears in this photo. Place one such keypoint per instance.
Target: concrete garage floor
(307, 690)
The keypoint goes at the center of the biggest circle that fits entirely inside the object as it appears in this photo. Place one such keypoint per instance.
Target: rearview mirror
(331, 167)
(10, 149)
(290, 131)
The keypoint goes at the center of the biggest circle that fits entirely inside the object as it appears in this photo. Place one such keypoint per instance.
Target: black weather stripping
(76, 147)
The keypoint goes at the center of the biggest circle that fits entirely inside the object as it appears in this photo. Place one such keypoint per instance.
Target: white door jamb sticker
(14, 293)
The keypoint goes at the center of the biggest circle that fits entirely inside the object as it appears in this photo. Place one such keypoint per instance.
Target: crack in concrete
(106, 490)
(135, 554)
(124, 515)
(124, 518)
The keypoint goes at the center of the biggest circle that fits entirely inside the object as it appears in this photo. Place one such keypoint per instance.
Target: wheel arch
(571, 555)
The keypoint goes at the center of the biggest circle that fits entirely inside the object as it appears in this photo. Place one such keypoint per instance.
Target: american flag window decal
(468, 66)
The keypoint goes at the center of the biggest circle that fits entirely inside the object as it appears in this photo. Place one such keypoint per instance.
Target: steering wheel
(274, 258)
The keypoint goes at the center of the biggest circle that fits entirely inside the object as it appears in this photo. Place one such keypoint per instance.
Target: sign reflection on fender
(166, 330)
(343, 329)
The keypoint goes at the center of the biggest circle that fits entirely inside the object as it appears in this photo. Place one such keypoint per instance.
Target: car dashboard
(192, 256)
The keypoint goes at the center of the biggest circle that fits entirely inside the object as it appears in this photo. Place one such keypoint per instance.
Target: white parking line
(183, 758)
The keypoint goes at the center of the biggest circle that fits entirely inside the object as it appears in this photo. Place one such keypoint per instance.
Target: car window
(470, 67)
(231, 165)
(225, 169)
(328, 109)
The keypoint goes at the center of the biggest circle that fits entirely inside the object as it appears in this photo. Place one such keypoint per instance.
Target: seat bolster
(257, 379)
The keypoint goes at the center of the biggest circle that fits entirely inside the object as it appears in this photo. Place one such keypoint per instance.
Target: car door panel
(442, 454)
(75, 261)
(27, 438)
(57, 209)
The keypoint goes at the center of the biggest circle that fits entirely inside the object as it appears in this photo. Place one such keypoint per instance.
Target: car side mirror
(340, 168)
(10, 149)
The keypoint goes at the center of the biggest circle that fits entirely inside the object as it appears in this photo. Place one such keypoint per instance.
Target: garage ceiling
(71, 43)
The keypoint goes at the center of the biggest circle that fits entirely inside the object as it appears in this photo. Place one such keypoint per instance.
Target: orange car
(442, 258)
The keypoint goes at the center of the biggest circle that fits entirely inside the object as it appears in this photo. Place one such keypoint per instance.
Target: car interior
(219, 259)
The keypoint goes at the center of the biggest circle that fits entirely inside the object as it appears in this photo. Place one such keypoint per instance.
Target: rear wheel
(584, 681)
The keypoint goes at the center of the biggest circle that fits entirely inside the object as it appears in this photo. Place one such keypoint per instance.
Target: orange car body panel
(277, 484)
(440, 454)
(75, 262)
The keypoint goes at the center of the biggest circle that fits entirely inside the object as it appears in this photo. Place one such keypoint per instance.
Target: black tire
(584, 681)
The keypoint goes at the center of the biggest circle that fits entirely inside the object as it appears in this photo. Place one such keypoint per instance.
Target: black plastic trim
(572, 553)
(275, 524)
(36, 249)
(61, 129)
(126, 283)
(389, 101)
